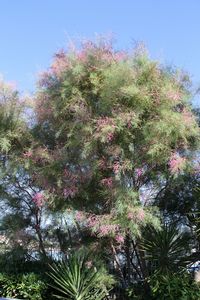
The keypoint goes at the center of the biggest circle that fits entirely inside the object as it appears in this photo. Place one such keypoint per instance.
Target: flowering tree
(12, 126)
(110, 127)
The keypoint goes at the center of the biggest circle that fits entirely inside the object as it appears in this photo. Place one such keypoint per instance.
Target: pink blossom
(130, 215)
(108, 182)
(137, 215)
(107, 56)
(106, 126)
(82, 56)
(119, 238)
(119, 56)
(60, 63)
(139, 172)
(107, 229)
(176, 163)
(38, 199)
(70, 192)
(104, 230)
(79, 216)
(140, 214)
(116, 167)
(174, 95)
(102, 122)
(28, 154)
(110, 136)
(92, 221)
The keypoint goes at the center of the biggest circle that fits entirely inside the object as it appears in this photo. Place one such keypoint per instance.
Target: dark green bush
(174, 287)
(166, 287)
(26, 286)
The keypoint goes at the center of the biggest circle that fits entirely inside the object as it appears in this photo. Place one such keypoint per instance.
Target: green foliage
(172, 286)
(12, 125)
(166, 287)
(77, 278)
(137, 292)
(27, 286)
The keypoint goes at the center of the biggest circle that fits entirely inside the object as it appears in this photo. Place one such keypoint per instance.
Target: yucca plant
(76, 278)
(166, 249)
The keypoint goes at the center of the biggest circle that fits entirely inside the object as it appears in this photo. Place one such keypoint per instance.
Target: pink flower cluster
(137, 215)
(108, 182)
(130, 215)
(70, 181)
(102, 123)
(92, 221)
(38, 199)
(70, 192)
(104, 53)
(174, 96)
(110, 136)
(82, 56)
(28, 154)
(119, 238)
(96, 223)
(107, 229)
(60, 63)
(116, 167)
(119, 56)
(140, 215)
(139, 172)
(79, 216)
(176, 163)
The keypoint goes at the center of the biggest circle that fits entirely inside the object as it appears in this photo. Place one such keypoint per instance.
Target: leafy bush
(77, 278)
(170, 286)
(173, 286)
(26, 286)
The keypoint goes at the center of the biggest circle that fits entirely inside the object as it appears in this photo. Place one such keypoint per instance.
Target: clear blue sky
(32, 30)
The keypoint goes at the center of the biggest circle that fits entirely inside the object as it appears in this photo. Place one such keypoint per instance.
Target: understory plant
(25, 286)
(77, 278)
(174, 286)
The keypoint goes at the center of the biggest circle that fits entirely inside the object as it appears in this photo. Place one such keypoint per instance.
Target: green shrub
(26, 286)
(174, 286)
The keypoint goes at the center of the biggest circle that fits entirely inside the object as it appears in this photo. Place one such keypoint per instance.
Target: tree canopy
(109, 161)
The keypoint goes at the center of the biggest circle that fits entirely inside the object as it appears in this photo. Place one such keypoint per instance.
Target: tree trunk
(128, 257)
